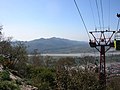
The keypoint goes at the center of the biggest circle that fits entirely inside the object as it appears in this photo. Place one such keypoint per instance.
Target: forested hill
(57, 45)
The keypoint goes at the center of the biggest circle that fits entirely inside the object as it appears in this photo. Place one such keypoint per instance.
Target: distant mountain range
(57, 45)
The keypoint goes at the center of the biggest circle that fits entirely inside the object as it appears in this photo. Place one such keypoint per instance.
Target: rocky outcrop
(28, 87)
(23, 85)
(1, 67)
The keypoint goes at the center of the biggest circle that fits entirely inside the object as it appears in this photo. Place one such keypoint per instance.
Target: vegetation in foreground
(45, 73)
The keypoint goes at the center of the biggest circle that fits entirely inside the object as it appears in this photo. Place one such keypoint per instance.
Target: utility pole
(102, 43)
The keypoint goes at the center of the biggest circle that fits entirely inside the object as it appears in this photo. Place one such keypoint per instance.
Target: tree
(19, 58)
(49, 61)
(69, 78)
(37, 59)
(5, 51)
(14, 56)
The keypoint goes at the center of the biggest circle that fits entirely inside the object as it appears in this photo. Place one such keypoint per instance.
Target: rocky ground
(23, 85)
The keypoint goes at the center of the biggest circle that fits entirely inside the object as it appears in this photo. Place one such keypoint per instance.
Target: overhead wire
(82, 18)
(92, 14)
(109, 17)
(98, 13)
(102, 14)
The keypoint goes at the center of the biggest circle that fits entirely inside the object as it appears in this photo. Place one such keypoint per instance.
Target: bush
(5, 75)
(1, 59)
(113, 84)
(41, 77)
(8, 85)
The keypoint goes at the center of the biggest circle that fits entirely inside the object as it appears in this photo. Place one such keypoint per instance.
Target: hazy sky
(33, 19)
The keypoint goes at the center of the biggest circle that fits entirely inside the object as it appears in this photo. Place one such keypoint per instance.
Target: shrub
(5, 75)
(8, 85)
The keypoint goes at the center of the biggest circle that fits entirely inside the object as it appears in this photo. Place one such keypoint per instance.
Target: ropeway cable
(98, 13)
(92, 14)
(82, 18)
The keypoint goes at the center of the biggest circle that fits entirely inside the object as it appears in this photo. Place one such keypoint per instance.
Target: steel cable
(82, 18)
(92, 13)
(102, 14)
(98, 13)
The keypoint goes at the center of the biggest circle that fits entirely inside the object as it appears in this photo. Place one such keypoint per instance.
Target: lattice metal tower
(103, 41)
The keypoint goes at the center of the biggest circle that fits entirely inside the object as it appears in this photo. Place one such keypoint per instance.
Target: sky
(33, 19)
